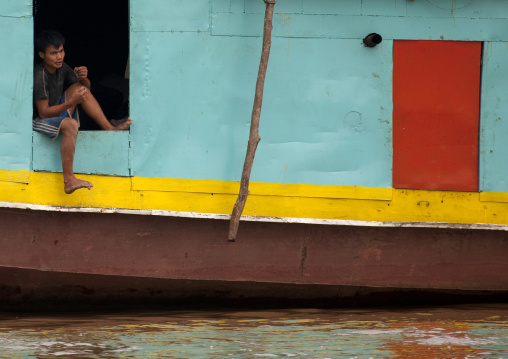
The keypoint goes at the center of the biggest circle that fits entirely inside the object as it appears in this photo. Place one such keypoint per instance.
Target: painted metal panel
(494, 9)
(485, 21)
(226, 5)
(284, 7)
(16, 8)
(494, 119)
(170, 15)
(192, 102)
(340, 7)
(436, 91)
(97, 152)
(391, 8)
(453, 9)
(326, 112)
(229, 6)
(15, 88)
(350, 7)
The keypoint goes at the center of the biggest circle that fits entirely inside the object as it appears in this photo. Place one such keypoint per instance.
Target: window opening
(96, 36)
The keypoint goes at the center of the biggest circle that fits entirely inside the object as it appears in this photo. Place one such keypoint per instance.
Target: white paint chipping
(197, 215)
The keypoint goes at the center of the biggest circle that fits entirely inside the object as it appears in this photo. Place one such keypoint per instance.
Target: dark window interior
(96, 36)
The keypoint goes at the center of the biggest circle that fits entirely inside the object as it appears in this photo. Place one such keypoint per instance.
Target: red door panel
(436, 99)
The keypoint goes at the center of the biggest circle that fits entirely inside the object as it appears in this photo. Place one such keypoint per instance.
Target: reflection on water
(451, 332)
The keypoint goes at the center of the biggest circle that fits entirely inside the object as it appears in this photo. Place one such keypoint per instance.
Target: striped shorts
(51, 126)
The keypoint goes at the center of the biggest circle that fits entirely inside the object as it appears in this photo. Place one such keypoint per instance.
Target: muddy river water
(463, 331)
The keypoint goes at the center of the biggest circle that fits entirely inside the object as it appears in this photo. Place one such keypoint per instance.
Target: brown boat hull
(73, 256)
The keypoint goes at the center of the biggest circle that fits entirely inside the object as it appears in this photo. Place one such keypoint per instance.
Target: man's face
(53, 58)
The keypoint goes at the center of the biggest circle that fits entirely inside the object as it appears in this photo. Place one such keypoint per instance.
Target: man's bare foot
(122, 124)
(75, 183)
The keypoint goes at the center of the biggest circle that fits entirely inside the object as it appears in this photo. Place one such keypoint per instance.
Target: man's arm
(82, 74)
(45, 111)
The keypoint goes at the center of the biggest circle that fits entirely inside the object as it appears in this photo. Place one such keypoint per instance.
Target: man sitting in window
(58, 90)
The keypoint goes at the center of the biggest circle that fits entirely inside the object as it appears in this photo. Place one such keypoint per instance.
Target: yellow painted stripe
(298, 201)
(14, 176)
(258, 188)
(494, 197)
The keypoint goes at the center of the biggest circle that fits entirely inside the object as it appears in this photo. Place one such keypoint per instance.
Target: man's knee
(72, 88)
(69, 127)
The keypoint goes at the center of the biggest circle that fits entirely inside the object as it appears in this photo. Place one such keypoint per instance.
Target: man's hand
(81, 72)
(79, 96)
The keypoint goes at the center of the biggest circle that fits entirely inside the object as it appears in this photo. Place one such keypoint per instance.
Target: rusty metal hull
(59, 256)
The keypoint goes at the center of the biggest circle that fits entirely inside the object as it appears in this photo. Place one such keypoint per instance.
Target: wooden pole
(254, 124)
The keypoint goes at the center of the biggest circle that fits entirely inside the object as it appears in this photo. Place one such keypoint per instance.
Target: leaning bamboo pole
(254, 125)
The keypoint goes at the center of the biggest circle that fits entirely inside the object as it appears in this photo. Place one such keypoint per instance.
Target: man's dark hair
(46, 38)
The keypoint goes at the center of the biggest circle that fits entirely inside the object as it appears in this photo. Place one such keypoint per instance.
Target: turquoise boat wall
(494, 117)
(326, 115)
(325, 120)
(16, 84)
(327, 110)
(461, 20)
(110, 151)
(15, 8)
(170, 15)
(327, 104)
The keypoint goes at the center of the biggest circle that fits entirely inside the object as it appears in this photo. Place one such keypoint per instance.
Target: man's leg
(69, 128)
(93, 109)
